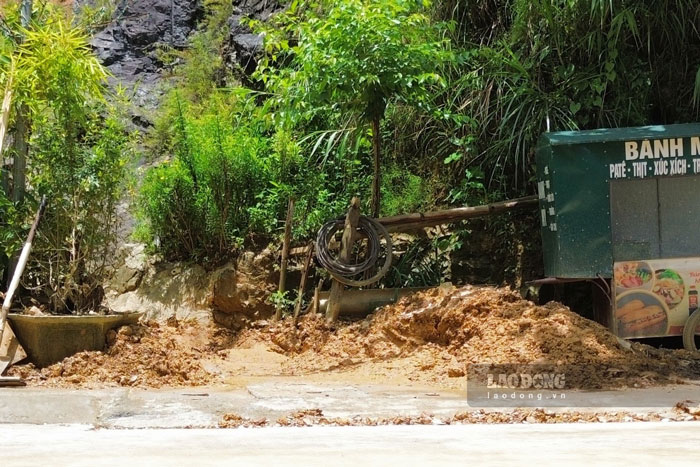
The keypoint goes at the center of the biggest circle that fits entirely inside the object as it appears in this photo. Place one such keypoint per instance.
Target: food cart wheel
(690, 338)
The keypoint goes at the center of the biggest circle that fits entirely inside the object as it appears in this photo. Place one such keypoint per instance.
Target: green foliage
(93, 16)
(55, 64)
(78, 155)
(562, 64)
(198, 204)
(217, 194)
(331, 68)
(83, 179)
(10, 227)
(352, 56)
(403, 192)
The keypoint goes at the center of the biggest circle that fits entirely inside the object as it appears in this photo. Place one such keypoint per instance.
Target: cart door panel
(679, 214)
(634, 213)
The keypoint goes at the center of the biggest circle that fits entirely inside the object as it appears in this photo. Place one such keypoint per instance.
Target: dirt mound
(431, 339)
(452, 328)
(143, 355)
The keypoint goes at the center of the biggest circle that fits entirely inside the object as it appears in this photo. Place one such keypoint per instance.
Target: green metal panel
(574, 172)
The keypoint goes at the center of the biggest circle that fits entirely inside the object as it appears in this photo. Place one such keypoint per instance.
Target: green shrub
(198, 206)
(77, 157)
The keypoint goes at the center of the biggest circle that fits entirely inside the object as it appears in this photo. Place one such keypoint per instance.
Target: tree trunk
(21, 149)
(21, 142)
(19, 167)
(376, 180)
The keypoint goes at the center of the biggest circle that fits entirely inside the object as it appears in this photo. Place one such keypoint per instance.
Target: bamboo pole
(285, 253)
(4, 123)
(351, 220)
(6, 103)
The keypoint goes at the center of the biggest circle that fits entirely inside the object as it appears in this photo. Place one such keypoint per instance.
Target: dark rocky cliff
(128, 45)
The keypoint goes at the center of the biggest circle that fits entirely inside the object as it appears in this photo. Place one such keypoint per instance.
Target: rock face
(243, 45)
(131, 263)
(239, 293)
(128, 46)
(171, 290)
(234, 295)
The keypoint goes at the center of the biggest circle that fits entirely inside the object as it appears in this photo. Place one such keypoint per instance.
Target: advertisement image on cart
(655, 297)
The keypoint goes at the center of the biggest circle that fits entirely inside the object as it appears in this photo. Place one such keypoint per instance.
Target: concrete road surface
(204, 407)
(624, 444)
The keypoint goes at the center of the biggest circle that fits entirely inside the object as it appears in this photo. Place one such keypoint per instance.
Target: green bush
(77, 157)
(198, 206)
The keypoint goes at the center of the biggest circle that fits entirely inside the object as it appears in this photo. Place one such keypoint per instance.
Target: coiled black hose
(343, 272)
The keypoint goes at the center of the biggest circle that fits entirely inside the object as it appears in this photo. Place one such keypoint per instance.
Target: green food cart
(622, 207)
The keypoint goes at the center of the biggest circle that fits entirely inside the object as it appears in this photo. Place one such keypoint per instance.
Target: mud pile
(451, 328)
(144, 355)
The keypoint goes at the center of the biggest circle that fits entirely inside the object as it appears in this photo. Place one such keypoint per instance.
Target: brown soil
(435, 335)
(429, 339)
(144, 355)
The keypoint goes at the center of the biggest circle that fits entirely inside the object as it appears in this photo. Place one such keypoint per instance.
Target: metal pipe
(360, 303)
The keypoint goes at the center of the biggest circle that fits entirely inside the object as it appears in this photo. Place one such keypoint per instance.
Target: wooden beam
(415, 221)
(351, 220)
(408, 222)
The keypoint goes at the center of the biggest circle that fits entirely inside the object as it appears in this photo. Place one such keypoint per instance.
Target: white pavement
(624, 444)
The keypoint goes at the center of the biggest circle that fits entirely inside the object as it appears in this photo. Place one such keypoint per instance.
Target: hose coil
(343, 272)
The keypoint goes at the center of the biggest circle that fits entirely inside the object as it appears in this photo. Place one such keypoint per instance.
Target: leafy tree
(353, 58)
(78, 152)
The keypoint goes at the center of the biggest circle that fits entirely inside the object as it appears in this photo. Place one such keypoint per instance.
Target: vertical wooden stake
(377, 167)
(302, 284)
(351, 221)
(316, 303)
(285, 254)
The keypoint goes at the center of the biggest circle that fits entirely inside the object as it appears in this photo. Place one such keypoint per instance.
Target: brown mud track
(429, 339)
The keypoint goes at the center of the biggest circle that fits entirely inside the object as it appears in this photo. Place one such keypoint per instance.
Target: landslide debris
(315, 417)
(144, 355)
(432, 338)
(451, 328)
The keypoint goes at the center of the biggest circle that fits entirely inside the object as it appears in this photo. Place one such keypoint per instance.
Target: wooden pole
(418, 220)
(17, 275)
(302, 284)
(351, 220)
(409, 222)
(285, 253)
(315, 304)
(377, 167)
